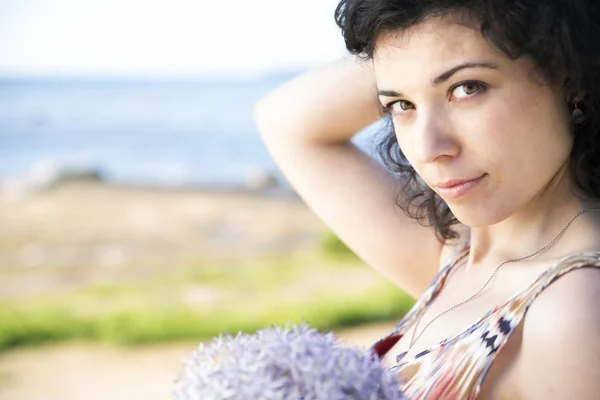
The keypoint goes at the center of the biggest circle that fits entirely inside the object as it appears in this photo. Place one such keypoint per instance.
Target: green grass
(195, 304)
(333, 248)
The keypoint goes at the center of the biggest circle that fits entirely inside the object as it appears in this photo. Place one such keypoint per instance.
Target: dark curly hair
(562, 37)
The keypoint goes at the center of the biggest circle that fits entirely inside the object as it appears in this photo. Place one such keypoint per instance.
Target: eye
(402, 105)
(466, 89)
(398, 107)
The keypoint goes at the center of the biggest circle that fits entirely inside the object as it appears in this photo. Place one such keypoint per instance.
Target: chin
(478, 216)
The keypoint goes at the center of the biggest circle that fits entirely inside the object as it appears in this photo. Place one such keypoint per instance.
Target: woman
(493, 160)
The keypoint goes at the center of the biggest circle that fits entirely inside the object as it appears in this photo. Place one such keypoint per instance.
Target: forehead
(429, 48)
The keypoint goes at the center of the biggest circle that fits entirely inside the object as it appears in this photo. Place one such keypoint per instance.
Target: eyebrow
(443, 77)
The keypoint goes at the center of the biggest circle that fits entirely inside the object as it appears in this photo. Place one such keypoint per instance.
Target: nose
(434, 138)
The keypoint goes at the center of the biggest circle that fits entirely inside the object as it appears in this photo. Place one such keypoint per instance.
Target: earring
(577, 117)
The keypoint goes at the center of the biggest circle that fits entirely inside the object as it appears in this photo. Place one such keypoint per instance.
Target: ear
(576, 97)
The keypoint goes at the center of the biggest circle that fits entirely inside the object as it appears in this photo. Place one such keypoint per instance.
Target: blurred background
(140, 213)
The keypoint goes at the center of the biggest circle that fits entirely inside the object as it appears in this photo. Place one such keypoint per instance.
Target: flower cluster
(289, 363)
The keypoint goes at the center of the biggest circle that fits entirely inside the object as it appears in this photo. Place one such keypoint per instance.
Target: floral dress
(455, 369)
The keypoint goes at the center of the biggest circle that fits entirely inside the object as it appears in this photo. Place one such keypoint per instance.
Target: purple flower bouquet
(290, 363)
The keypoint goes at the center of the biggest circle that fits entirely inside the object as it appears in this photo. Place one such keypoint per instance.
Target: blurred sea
(170, 133)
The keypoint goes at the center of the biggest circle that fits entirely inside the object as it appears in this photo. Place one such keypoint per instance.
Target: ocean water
(149, 132)
(144, 132)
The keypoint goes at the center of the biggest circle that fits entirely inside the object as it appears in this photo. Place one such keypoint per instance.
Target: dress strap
(382, 346)
(520, 303)
(509, 315)
(430, 294)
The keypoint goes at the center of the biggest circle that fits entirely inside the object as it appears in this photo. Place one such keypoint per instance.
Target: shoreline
(30, 188)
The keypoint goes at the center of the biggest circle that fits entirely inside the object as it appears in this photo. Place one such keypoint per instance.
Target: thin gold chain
(413, 340)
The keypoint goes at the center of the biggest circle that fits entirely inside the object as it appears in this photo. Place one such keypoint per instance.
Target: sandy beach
(82, 234)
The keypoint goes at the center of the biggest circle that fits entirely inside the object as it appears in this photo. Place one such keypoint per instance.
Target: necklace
(414, 339)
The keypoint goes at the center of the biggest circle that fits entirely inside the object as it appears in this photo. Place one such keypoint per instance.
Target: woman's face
(462, 110)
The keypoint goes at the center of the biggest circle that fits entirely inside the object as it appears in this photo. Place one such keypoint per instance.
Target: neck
(534, 226)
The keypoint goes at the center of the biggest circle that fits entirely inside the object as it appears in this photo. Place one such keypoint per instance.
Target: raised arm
(307, 125)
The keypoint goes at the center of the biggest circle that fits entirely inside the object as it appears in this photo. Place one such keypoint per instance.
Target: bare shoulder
(559, 353)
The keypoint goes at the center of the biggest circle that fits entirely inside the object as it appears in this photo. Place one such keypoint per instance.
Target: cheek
(522, 140)
(497, 130)
(523, 121)
(542, 129)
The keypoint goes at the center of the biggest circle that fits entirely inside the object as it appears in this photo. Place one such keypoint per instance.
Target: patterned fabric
(456, 368)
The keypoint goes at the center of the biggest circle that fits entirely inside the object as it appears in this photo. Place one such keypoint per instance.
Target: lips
(456, 188)
(455, 182)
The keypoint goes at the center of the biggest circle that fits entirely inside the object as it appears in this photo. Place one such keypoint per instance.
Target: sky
(174, 38)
